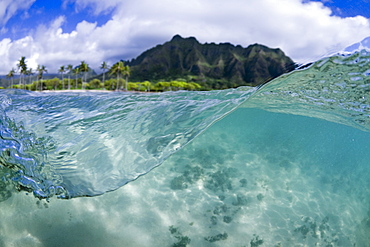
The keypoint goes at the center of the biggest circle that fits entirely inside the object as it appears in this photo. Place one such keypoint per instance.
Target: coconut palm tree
(84, 67)
(22, 68)
(76, 71)
(30, 73)
(104, 67)
(126, 73)
(10, 75)
(117, 69)
(70, 70)
(62, 70)
(41, 69)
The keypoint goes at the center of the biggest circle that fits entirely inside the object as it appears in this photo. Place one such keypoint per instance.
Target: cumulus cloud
(305, 31)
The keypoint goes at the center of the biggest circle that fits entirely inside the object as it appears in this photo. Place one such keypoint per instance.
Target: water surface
(284, 165)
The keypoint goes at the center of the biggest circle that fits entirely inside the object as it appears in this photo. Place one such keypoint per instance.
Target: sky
(61, 32)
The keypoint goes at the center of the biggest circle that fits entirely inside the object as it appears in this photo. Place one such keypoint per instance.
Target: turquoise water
(283, 165)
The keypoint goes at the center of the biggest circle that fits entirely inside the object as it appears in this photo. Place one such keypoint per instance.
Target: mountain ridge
(213, 65)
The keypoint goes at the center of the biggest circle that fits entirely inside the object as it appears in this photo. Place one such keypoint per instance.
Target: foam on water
(290, 167)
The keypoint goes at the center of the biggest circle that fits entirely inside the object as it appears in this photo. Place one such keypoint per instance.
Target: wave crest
(336, 89)
(73, 144)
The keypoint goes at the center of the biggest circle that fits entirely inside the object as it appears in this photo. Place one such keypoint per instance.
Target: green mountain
(214, 66)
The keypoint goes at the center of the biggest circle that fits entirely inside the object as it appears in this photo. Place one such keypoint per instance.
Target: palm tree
(104, 66)
(117, 69)
(62, 70)
(70, 70)
(84, 67)
(126, 72)
(29, 72)
(11, 75)
(76, 71)
(22, 67)
(40, 70)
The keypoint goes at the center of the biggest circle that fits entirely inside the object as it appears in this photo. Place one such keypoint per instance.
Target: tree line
(76, 78)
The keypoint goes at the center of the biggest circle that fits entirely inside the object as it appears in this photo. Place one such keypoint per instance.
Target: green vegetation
(104, 67)
(11, 75)
(81, 80)
(213, 66)
(62, 70)
(22, 67)
(180, 64)
(70, 70)
(119, 69)
(111, 84)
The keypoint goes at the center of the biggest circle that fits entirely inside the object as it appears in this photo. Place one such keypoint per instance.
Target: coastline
(89, 90)
(75, 90)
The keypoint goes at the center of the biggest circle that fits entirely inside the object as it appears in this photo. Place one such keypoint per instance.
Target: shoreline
(74, 90)
(89, 90)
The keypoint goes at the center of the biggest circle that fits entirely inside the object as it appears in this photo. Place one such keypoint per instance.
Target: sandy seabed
(232, 186)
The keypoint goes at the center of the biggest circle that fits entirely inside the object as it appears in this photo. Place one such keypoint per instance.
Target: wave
(335, 89)
(71, 144)
(85, 144)
(286, 164)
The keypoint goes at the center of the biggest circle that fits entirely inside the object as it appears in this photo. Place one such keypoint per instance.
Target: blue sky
(61, 32)
(42, 12)
(348, 8)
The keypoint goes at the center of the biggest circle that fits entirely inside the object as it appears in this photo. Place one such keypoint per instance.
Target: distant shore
(76, 90)
(88, 90)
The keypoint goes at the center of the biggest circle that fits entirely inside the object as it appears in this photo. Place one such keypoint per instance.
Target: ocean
(284, 164)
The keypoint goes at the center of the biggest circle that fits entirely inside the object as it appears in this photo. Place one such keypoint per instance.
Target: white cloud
(304, 31)
(8, 8)
(99, 7)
